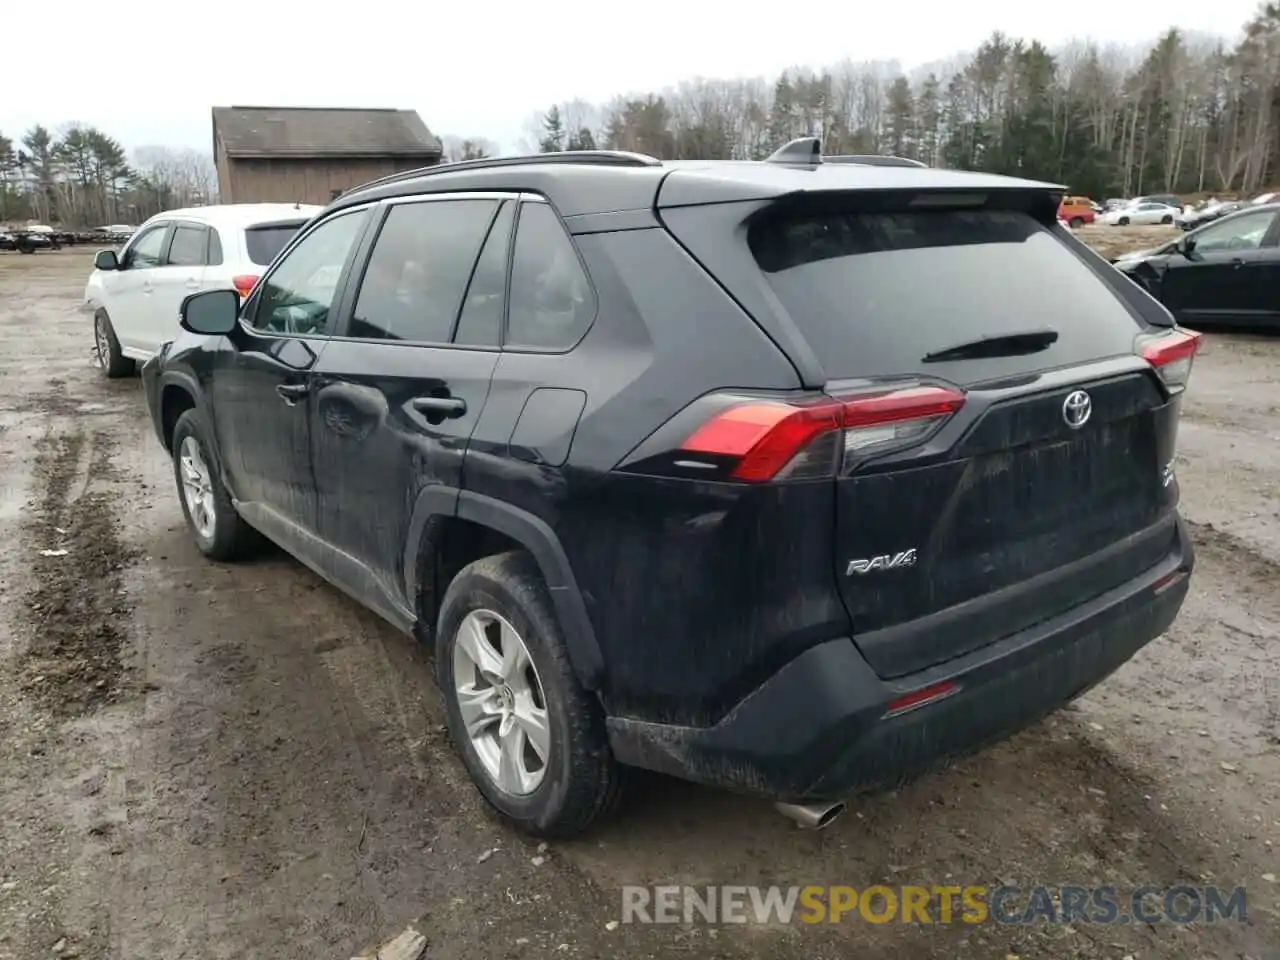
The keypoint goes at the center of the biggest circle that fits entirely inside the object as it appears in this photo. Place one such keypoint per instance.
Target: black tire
(231, 537)
(1123, 222)
(1166, 219)
(582, 780)
(106, 348)
(1075, 223)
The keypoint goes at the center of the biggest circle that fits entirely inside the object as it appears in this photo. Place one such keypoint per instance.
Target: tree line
(82, 177)
(1187, 114)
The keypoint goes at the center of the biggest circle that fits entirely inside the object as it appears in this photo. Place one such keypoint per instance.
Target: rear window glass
(263, 243)
(873, 293)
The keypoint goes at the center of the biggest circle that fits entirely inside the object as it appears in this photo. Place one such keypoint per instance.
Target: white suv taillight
(1171, 355)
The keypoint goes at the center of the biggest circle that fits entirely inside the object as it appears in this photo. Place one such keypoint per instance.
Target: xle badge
(886, 561)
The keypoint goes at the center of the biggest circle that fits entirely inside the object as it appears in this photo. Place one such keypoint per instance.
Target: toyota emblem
(1076, 409)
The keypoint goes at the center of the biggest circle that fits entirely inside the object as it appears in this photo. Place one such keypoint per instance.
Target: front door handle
(193, 284)
(290, 393)
(452, 407)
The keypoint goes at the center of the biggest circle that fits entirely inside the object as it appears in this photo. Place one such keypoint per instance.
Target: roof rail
(807, 151)
(875, 160)
(618, 158)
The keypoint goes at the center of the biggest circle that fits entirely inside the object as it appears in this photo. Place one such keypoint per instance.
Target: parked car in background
(1143, 213)
(1168, 199)
(847, 526)
(1227, 271)
(134, 295)
(1266, 198)
(1114, 203)
(1076, 211)
(8, 241)
(1211, 210)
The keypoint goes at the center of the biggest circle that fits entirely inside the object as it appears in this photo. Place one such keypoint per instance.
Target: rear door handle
(452, 407)
(193, 284)
(291, 392)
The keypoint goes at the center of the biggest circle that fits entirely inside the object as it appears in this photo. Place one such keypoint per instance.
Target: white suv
(135, 295)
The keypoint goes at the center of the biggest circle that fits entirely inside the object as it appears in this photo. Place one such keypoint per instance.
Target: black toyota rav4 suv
(795, 477)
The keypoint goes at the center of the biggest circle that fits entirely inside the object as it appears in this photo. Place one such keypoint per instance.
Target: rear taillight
(772, 440)
(244, 284)
(1171, 355)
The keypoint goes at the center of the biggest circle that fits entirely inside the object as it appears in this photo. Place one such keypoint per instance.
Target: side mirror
(210, 312)
(1187, 246)
(106, 260)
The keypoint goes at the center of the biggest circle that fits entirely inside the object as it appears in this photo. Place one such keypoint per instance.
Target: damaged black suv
(795, 477)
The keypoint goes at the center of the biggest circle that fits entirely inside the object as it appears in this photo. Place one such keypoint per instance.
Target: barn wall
(303, 181)
(224, 171)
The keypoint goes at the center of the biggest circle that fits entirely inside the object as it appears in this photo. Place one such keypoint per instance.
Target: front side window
(1240, 233)
(552, 302)
(145, 251)
(296, 297)
(188, 247)
(419, 269)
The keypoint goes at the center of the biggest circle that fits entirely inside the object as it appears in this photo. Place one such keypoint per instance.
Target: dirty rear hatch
(997, 510)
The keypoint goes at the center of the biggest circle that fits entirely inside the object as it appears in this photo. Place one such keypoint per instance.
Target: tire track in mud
(75, 603)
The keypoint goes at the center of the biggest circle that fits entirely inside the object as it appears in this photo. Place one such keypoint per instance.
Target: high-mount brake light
(1171, 355)
(771, 439)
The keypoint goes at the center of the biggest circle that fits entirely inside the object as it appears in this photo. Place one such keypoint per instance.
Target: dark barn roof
(322, 132)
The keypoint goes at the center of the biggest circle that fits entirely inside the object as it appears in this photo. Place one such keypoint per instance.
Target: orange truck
(1076, 211)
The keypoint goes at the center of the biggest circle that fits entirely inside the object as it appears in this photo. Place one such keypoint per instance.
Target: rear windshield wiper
(1004, 345)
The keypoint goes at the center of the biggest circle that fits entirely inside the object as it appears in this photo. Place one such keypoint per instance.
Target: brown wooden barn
(312, 154)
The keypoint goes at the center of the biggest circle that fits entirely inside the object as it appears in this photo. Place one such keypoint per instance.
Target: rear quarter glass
(874, 293)
(264, 243)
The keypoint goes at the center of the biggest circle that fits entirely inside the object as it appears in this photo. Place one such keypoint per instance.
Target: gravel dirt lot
(203, 761)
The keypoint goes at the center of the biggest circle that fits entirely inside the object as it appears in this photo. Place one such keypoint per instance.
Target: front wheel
(532, 739)
(219, 532)
(1123, 222)
(1076, 223)
(106, 348)
(1166, 219)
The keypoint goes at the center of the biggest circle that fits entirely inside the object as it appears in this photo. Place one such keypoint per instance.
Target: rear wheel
(1167, 218)
(532, 739)
(1123, 221)
(107, 348)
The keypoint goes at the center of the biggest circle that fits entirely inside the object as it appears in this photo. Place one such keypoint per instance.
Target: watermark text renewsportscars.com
(814, 904)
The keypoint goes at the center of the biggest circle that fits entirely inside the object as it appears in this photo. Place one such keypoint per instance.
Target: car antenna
(806, 151)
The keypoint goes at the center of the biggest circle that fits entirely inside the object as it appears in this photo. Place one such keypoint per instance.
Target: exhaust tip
(812, 816)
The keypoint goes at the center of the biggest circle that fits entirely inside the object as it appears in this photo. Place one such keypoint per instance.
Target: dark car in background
(1225, 272)
(783, 476)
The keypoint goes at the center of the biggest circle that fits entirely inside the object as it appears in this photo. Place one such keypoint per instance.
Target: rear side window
(480, 323)
(873, 293)
(188, 246)
(419, 269)
(263, 242)
(552, 303)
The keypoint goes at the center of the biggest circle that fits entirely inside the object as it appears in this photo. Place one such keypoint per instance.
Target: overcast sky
(148, 74)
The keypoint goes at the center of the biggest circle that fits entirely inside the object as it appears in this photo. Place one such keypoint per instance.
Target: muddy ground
(1113, 241)
(204, 761)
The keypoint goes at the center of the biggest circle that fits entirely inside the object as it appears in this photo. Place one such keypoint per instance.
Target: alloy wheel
(501, 702)
(102, 343)
(197, 487)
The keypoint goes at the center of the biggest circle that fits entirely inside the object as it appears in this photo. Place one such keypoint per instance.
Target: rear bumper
(817, 728)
